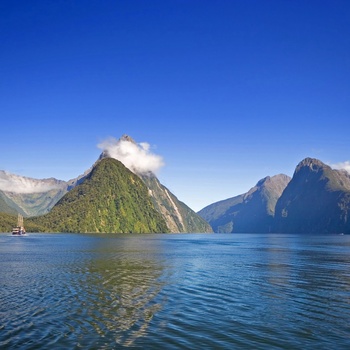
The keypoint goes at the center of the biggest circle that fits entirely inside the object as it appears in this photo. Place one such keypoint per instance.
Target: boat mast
(20, 220)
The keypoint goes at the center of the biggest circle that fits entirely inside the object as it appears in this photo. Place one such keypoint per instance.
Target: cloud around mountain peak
(137, 157)
(342, 166)
(21, 184)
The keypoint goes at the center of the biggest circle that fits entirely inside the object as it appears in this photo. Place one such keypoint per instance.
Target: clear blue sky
(227, 92)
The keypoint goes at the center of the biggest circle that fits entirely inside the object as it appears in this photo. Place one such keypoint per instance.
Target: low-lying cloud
(136, 157)
(342, 166)
(20, 184)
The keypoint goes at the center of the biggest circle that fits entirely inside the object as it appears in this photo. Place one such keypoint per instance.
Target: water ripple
(178, 292)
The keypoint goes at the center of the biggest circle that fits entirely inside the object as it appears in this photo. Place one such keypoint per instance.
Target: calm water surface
(69, 291)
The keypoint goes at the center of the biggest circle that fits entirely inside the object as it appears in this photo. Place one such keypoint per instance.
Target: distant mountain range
(253, 211)
(315, 200)
(109, 197)
(66, 210)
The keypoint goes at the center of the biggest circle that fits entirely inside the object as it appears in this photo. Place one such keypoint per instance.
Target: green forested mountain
(249, 212)
(177, 215)
(111, 199)
(317, 200)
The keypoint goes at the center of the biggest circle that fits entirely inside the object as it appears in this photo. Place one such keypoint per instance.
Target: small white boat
(19, 230)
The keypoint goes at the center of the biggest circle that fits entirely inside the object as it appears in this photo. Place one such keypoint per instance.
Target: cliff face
(317, 200)
(178, 216)
(249, 212)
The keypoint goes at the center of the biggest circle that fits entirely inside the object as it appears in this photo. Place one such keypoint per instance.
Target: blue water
(72, 291)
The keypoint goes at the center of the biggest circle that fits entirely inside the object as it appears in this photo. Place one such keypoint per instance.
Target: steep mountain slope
(317, 200)
(178, 216)
(250, 212)
(4, 206)
(110, 199)
(32, 204)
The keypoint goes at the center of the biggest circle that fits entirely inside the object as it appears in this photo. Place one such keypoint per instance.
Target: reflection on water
(120, 291)
(71, 291)
(74, 290)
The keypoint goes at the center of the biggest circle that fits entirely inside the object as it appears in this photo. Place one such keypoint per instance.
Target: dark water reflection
(122, 288)
(174, 291)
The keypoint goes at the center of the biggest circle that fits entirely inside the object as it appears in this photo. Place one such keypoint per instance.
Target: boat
(19, 230)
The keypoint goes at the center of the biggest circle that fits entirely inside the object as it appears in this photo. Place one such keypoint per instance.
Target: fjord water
(175, 291)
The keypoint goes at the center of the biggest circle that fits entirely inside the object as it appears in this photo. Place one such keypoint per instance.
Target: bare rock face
(178, 216)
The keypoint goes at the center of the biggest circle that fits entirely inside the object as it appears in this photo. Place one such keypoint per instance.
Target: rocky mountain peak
(312, 163)
(126, 137)
(275, 183)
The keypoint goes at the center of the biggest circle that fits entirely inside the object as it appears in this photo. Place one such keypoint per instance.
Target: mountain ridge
(317, 200)
(178, 216)
(252, 211)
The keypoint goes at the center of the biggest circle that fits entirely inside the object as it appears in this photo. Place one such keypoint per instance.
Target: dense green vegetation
(111, 199)
(7, 222)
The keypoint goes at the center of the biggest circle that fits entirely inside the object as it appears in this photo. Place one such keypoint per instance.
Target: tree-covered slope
(110, 199)
(7, 222)
(250, 212)
(317, 200)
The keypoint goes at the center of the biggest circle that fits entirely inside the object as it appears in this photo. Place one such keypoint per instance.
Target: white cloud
(20, 184)
(136, 157)
(342, 165)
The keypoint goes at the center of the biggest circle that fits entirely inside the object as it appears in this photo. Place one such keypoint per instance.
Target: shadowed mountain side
(317, 200)
(111, 199)
(250, 212)
(178, 216)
